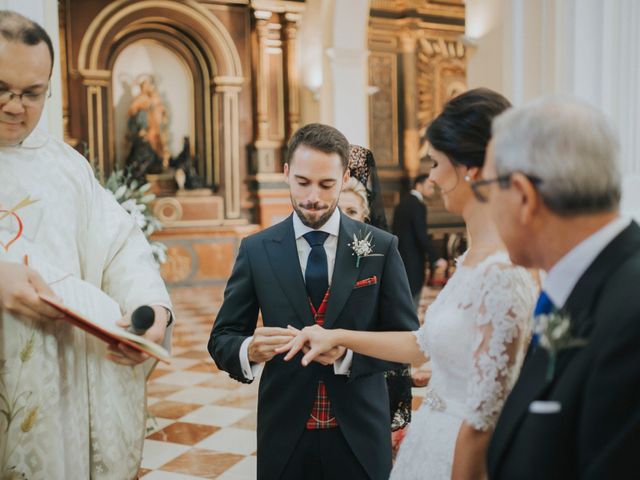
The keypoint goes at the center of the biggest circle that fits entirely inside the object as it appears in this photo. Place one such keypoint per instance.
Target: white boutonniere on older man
(552, 332)
(362, 247)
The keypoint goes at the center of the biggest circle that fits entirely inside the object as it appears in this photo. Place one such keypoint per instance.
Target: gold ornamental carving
(384, 107)
(441, 67)
(292, 24)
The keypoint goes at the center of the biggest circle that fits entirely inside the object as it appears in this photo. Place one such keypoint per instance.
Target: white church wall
(586, 48)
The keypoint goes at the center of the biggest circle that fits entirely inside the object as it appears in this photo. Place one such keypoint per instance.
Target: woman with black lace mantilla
(361, 200)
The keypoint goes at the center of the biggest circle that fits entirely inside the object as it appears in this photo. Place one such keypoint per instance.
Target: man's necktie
(544, 306)
(316, 276)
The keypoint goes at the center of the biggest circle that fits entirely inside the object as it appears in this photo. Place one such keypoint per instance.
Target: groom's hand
(327, 358)
(266, 340)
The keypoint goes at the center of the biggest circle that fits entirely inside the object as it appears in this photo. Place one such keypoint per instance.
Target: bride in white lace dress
(476, 331)
(475, 335)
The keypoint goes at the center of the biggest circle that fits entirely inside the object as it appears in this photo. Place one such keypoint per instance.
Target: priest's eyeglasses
(28, 99)
(503, 181)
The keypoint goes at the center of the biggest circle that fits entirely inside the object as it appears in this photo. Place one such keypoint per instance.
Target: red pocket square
(366, 282)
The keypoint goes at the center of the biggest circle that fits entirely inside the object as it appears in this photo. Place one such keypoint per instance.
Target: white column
(350, 100)
(45, 12)
(486, 25)
(348, 56)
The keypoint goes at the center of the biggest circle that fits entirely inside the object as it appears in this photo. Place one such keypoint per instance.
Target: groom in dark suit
(553, 184)
(330, 421)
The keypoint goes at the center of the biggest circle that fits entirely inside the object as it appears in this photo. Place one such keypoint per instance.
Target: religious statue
(186, 175)
(147, 132)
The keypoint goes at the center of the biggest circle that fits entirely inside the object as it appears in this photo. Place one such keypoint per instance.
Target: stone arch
(190, 29)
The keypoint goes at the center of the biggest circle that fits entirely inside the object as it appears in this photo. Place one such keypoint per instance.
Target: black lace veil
(363, 168)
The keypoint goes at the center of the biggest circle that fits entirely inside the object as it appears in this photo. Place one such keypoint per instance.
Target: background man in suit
(553, 183)
(410, 225)
(329, 421)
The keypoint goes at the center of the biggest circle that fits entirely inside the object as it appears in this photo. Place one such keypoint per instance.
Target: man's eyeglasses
(28, 98)
(503, 182)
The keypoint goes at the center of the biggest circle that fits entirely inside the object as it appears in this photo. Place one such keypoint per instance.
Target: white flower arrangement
(553, 332)
(362, 247)
(135, 199)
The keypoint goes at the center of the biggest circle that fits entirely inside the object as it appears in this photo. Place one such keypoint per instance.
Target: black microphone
(141, 320)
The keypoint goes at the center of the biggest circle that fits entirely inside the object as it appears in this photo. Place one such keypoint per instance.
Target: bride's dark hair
(463, 129)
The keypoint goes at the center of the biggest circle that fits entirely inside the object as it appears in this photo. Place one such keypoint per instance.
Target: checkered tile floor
(202, 424)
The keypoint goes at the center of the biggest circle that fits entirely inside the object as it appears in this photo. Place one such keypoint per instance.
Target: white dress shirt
(564, 275)
(332, 227)
(417, 194)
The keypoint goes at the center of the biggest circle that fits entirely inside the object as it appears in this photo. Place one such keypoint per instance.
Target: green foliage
(135, 198)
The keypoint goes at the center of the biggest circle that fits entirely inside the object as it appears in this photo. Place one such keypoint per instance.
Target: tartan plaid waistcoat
(321, 413)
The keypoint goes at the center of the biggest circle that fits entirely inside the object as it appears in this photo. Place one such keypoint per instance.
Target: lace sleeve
(506, 297)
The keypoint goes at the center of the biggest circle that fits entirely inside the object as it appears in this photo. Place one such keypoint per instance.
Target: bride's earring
(467, 178)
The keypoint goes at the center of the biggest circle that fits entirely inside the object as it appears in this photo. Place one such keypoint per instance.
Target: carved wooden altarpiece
(241, 57)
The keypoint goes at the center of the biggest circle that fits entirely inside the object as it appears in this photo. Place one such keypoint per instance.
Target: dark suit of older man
(553, 184)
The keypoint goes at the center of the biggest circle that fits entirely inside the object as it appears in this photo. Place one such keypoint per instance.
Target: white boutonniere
(553, 333)
(362, 247)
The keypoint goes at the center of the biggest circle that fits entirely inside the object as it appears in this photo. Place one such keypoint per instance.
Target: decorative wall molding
(421, 38)
(197, 36)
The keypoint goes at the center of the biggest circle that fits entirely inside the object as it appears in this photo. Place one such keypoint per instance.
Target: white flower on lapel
(362, 247)
(553, 332)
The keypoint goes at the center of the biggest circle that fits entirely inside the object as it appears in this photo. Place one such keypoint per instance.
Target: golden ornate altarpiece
(242, 55)
(416, 63)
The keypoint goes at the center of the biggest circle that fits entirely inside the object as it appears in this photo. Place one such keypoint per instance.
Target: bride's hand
(316, 343)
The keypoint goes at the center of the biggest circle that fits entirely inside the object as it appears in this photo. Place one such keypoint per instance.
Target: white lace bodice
(476, 333)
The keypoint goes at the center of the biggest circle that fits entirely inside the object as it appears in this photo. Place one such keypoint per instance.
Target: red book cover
(111, 336)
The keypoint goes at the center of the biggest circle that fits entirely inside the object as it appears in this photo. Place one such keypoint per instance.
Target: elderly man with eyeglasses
(553, 182)
(71, 408)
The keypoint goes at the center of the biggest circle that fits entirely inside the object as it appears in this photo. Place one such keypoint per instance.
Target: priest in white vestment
(69, 407)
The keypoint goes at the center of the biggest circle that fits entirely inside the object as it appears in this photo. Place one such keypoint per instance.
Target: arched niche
(196, 36)
(174, 82)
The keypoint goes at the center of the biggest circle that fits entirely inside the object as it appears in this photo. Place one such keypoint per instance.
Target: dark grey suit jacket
(267, 278)
(596, 433)
(414, 244)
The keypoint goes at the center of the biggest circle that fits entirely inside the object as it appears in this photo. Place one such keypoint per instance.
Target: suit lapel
(345, 272)
(283, 257)
(532, 384)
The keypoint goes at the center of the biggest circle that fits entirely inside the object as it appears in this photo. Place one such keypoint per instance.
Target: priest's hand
(125, 355)
(20, 287)
(265, 342)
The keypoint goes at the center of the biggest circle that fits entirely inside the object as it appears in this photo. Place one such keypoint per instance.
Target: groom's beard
(306, 212)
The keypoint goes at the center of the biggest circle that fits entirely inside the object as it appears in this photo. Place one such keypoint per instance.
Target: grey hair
(567, 145)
